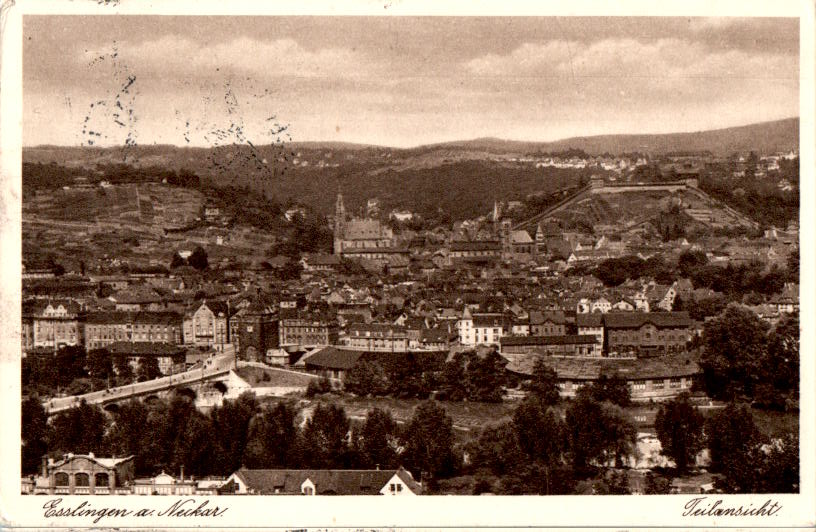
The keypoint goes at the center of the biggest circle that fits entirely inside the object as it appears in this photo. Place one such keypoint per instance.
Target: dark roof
(483, 245)
(377, 328)
(668, 366)
(589, 320)
(488, 320)
(568, 339)
(334, 358)
(554, 316)
(634, 320)
(121, 316)
(326, 481)
(144, 349)
(323, 260)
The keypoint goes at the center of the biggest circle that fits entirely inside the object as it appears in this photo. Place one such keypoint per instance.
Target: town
(634, 330)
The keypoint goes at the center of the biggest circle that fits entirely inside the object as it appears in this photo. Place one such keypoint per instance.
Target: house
(376, 337)
(624, 304)
(322, 482)
(601, 305)
(549, 323)
(320, 262)
(590, 324)
(480, 328)
(255, 331)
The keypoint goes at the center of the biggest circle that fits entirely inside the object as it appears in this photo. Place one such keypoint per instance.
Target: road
(219, 364)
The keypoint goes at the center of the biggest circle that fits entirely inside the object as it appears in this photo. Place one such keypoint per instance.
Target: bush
(319, 386)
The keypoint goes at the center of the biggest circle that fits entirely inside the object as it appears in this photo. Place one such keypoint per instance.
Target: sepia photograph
(409, 256)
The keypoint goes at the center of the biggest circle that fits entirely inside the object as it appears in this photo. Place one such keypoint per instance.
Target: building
(255, 332)
(480, 328)
(376, 337)
(590, 324)
(104, 328)
(652, 379)
(207, 325)
(170, 358)
(548, 323)
(308, 331)
(358, 233)
(85, 474)
(164, 484)
(322, 482)
(644, 333)
(567, 345)
(54, 323)
(478, 251)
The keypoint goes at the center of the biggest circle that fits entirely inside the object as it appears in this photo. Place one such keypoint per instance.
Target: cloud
(657, 60)
(181, 56)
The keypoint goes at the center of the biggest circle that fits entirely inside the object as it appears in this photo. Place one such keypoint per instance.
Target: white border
(380, 512)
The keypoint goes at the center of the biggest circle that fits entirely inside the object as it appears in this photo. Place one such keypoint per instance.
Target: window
(101, 479)
(82, 479)
(61, 479)
(674, 383)
(308, 490)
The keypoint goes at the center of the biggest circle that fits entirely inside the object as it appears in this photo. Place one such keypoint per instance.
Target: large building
(104, 328)
(308, 331)
(376, 337)
(481, 328)
(207, 325)
(85, 474)
(256, 330)
(358, 234)
(646, 333)
(52, 324)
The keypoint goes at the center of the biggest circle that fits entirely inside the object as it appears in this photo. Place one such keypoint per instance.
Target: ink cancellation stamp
(259, 257)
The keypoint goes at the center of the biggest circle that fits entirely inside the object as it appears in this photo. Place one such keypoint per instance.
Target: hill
(763, 137)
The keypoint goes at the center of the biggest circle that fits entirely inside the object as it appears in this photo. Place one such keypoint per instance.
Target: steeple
(339, 224)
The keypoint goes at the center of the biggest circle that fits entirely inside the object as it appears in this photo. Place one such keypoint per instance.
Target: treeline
(51, 176)
(74, 371)
(744, 358)
(733, 280)
(167, 435)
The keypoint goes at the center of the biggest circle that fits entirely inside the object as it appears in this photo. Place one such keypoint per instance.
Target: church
(359, 236)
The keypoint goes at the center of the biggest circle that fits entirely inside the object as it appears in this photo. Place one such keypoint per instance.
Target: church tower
(339, 224)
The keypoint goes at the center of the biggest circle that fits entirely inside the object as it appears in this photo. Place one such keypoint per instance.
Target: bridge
(218, 365)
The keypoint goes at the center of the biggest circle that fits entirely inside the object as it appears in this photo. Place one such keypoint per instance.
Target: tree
(367, 378)
(80, 430)
(690, 261)
(778, 466)
(272, 439)
(124, 370)
(128, 434)
(497, 449)
(34, 435)
(377, 440)
(544, 383)
(598, 432)
(487, 377)
(539, 431)
(100, 364)
(780, 368)
(327, 432)
(429, 440)
(70, 363)
(657, 485)
(732, 438)
(734, 347)
(679, 428)
(148, 368)
(231, 420)
(608, 388)
(792, 265)
(198, 259)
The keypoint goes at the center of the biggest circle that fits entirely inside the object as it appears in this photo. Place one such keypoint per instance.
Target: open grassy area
(263, 377)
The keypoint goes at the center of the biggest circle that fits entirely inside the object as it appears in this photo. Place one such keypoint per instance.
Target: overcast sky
(398, 81)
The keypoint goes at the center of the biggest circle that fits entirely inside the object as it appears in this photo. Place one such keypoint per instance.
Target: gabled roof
(334, 358)
(589, 320)
(144, 349)
(554, 316)
(624, 320)
(326, 481)
(569, 339)
(107, 463)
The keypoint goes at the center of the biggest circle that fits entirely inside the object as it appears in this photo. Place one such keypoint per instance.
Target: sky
(398, 81)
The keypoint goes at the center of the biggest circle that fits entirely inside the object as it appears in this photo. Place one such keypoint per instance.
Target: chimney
(44, 466)
(182, 472)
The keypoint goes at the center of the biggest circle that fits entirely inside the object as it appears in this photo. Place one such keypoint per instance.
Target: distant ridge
(777, 135)
(763, 137)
